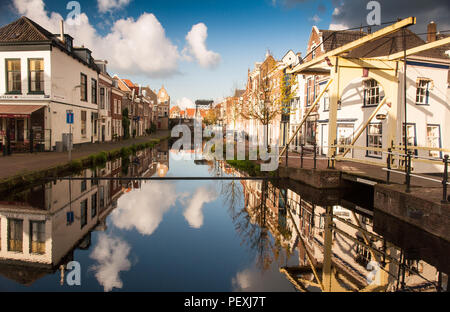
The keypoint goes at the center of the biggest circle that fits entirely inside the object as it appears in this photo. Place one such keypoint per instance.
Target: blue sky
(238, 33)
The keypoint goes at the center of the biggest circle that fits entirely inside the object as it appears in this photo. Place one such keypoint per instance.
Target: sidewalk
(17, 163)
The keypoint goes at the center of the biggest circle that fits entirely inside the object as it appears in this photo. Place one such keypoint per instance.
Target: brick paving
(23, 162)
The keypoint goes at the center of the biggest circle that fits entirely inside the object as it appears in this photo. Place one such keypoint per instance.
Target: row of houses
(427, 92)
(46, 77)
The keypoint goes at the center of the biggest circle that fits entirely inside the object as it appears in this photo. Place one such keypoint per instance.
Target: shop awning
(18, 111)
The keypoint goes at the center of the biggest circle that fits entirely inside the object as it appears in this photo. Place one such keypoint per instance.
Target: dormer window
(69, 44)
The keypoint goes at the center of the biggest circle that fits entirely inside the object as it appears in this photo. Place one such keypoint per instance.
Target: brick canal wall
(420, 207)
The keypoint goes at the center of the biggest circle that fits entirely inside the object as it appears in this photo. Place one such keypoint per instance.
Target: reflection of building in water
(41, 226)
(337, 248)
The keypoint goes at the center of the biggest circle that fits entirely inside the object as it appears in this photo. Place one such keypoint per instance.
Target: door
(103, 133)
(20, 130)
(324, 140)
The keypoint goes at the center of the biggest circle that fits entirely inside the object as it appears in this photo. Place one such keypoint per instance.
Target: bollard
(388, 172)
(445, 180)
(315, 155)
(408, 172)
(301, 155)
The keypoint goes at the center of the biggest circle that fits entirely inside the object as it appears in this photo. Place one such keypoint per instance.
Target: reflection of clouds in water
(112, 257)
(254, 280)
(144, 208)
(193, 213)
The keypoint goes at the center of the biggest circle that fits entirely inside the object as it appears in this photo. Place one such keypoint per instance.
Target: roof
(190, 112)
(239, 93)
(128, 83)
(24, 29)
(173, 109)
(393, 43)
(333, 39)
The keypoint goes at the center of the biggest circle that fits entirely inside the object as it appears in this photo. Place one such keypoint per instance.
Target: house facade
(45, 76)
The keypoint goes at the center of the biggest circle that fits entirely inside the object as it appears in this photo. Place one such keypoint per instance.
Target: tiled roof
(190, 112)
(333, 39)
(24, 29)
(393, 43)
(128, 83)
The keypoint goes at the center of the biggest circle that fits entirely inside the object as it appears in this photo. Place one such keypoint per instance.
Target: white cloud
(336, 11)
(316, 19)
(111, 5)
(193, 213)
(137, 47)
(112, 257)
(185, 103)
(196, 47)
(144, 208)
(338, 27)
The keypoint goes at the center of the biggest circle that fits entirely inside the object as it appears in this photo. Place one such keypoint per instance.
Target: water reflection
(238, 235)
(334, 245)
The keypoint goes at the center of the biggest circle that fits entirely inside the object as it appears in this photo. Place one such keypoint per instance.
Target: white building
(43, 77)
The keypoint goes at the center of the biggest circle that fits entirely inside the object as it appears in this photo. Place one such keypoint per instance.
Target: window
(119, 106)
(94, 91)
(36, 75)
(13, 76)
(15, 235)
(102, 198)
(434, 139)
(83, 88)
(371, 93)
(94, 205)
(83, 213)
(37, 237)
(423, 91)
(102, 98)
(375, 139)
(83, 185)
(114, 106)
(411, 135)
(83, 124)
(326, 101)
(310, 91)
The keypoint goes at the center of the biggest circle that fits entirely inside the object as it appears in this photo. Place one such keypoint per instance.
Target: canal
(206, 235)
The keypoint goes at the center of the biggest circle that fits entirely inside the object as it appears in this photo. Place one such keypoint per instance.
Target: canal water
(205, 235)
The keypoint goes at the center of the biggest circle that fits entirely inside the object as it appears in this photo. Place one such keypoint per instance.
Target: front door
(103, 133)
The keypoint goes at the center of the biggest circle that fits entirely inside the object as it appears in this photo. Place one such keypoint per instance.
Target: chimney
(61, 35)
(432, 29)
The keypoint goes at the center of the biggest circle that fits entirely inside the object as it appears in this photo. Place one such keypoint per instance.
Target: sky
(202, 49)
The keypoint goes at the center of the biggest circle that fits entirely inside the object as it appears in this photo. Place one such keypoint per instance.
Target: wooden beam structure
(306, 117)
(355, 44)
(424, 47)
